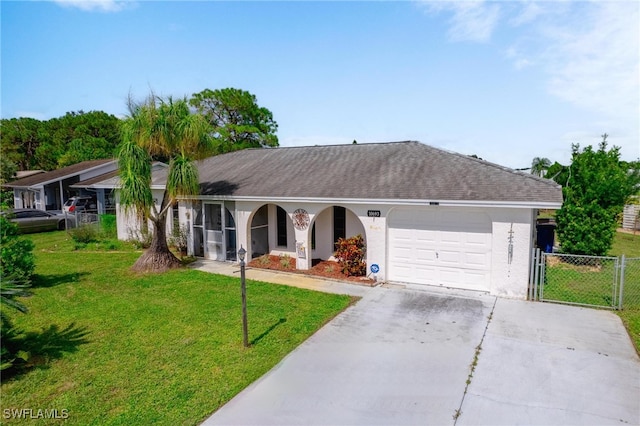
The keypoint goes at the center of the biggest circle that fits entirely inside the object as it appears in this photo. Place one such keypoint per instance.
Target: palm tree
(160, 129)
(539, 166)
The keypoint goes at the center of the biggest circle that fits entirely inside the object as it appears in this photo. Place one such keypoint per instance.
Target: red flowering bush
(350, 253)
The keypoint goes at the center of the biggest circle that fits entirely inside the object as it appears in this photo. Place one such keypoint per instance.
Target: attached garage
(440, 246)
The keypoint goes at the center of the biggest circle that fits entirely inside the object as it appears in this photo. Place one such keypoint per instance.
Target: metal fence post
(621, 292)
(536, 275)
(531, 272)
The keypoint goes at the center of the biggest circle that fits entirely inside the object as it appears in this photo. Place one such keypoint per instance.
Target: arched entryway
(271, 230)
(328, 226)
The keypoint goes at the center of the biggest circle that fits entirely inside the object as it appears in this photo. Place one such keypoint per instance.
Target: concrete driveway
(404, 356)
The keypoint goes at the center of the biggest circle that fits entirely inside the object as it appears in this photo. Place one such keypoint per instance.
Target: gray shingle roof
(385, 171)
(53, 175)
(112, 179)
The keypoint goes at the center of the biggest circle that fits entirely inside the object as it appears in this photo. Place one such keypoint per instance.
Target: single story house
(428, 216)
(50, 190)
(128, 224)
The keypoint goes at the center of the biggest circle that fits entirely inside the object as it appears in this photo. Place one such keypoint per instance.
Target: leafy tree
(47, 145)
(16, 269)
(7, 171)
(595, 188)
(19, 139)
(17, 261)
(163, 128)
(558, 173)
(237, 120)
(539, 166)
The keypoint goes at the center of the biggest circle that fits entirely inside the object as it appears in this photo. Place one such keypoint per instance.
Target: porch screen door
(214, 246)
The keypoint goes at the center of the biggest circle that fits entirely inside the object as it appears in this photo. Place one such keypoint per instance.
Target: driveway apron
(396, 357)
(547, 364)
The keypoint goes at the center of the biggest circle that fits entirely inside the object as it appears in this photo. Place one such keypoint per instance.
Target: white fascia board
(398, 202)
(111, 186)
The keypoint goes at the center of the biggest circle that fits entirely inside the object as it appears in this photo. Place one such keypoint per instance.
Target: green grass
(583, 284)
(112, 347)
(629, 245)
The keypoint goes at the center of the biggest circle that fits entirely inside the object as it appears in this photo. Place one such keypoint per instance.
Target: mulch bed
(321, 268)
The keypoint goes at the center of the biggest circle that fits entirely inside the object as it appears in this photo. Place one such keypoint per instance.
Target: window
(282, 227)
(313, 236)
(339, 223)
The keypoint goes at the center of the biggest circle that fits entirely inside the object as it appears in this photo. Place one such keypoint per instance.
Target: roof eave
(552, 205)
(41, 184)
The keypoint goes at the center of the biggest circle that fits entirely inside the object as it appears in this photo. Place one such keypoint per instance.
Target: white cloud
(596, 64)
(96, 5)
(529, 11)
(472, 20)
(588, 53)
(519, 60)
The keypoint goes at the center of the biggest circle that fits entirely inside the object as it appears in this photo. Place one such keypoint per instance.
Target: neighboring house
(428, 216)
(631, 217)
(50, 190)
(128, 225)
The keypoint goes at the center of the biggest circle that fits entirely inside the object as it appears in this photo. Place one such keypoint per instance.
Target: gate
(594, 281)
(630, 283)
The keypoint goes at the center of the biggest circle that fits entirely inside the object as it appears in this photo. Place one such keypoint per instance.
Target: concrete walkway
(404, 356)
(286, 278)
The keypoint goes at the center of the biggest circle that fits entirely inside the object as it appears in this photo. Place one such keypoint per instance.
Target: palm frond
(135, 177)
(183, 177)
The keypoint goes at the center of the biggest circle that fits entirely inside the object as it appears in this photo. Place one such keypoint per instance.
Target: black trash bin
(545, 235)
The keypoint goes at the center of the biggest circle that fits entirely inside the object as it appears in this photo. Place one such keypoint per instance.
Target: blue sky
(505, 80)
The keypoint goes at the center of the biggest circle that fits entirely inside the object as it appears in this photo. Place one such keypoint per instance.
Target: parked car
(80, 204)
(34, 220)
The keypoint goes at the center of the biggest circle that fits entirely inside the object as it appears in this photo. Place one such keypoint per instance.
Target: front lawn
(111, 347)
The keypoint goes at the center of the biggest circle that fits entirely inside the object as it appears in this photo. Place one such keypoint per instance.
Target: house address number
(373, 213)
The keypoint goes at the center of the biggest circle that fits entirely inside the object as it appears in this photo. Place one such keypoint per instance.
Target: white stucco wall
(511, 279)
(127, 223)
(509, 276)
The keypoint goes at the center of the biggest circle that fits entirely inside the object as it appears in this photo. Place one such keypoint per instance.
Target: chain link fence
(630, 283)
(596, 281)
(580, 280)
(76, 220)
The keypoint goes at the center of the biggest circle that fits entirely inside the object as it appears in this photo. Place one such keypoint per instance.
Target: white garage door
(440, 246)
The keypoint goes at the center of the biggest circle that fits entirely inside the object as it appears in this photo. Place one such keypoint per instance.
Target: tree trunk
(158, 257)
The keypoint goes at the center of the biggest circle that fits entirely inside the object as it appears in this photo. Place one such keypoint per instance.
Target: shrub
(595, 187)
(85, 234)
(350, 253)
(108, 225)
(264, 260)
(178, 238)
(16, 254)
(285, 261)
